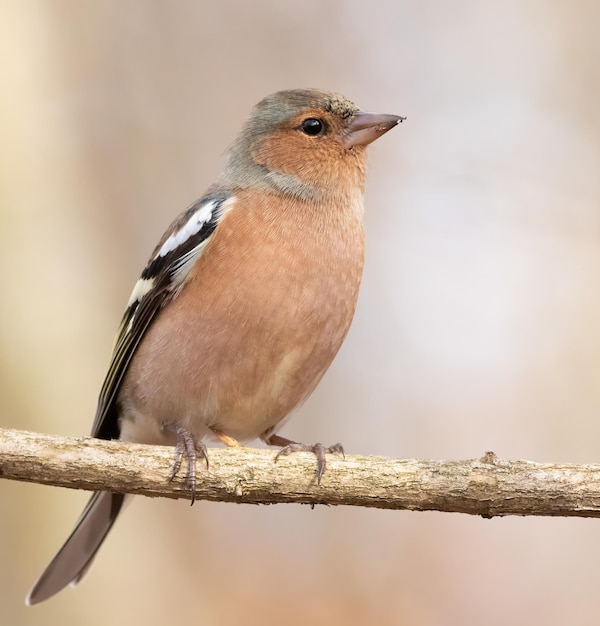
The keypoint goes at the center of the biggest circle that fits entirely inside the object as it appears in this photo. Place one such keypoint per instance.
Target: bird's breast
(264, 312)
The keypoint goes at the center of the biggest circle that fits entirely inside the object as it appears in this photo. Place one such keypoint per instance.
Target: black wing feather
(165, 271)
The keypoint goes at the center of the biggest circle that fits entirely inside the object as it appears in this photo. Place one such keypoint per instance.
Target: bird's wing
(162, 279)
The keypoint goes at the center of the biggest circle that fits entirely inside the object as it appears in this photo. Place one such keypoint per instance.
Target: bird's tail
(75, 557)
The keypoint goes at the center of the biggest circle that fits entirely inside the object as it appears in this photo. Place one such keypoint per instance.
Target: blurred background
(478, 326)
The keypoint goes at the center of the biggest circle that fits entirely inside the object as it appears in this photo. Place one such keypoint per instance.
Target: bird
(243, 304)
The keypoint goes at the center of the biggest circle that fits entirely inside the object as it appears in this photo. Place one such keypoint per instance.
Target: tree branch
(488, 486)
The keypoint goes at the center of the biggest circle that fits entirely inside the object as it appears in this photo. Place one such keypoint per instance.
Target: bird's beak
(366, 127)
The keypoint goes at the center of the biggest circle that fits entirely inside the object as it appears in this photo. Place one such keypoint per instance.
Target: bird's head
(305, 143)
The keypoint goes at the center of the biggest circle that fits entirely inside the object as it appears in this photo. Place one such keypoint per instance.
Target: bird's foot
(191, 448)
(318, 449)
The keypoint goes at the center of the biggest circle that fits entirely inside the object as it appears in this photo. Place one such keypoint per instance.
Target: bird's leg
(318, 449)
(230, 442)
(191, 448)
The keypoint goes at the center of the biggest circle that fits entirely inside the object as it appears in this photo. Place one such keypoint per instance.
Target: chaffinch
(243, 304)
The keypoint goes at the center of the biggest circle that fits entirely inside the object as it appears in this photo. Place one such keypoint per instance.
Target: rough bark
(487, 486)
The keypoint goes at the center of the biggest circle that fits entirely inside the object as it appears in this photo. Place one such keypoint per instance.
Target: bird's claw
(318, 449)
(186, 445)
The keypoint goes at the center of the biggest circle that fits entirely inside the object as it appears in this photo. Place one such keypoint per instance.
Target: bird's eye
(312, 126)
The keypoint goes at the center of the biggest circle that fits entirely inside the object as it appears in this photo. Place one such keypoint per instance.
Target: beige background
(479, 320)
